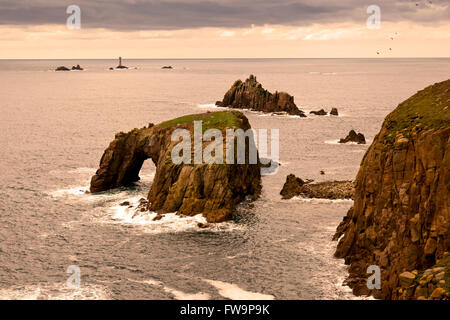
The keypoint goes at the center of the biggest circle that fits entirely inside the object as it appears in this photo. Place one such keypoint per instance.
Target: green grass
(445, 262)
(428, 109)
(212, 120)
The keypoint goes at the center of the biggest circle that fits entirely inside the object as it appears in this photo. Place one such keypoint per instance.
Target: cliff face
(400, 220)
(213, 190)
(251, 95)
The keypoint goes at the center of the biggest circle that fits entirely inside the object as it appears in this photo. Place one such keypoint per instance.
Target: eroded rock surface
(400, 220)
(213, 190)
(251, 95)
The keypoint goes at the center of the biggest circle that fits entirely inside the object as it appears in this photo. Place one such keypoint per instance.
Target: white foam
(76, 191)
(169, 223)
(319, 200)
(368, 142)
(208, 106)
(177, 294)
(323, 73)
(54, 292)
(233, 292)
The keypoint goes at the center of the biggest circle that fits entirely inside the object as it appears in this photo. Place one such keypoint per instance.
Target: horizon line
(224, 58)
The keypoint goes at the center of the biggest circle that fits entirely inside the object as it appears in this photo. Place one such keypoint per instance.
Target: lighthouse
(120, 66)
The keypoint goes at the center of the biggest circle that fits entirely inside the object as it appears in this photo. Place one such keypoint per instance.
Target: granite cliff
(401, 215)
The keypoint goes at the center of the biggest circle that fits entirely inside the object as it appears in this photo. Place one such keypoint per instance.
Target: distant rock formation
(334, 112)
(401, 215)
(251, 95)
(62, 68)
(324, 190)
(213, 190)
(321, 112)
(354, 137)
(77, 67)
(167, 67)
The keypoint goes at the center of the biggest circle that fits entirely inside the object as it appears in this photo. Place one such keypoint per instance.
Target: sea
(56, 125)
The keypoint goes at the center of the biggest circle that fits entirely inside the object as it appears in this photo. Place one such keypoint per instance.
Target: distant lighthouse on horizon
(120, 66)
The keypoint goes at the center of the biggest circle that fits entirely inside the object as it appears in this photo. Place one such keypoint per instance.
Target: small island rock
(354, 137)
(251, 95)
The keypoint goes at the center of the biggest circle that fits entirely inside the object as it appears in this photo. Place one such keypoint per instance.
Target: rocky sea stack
(213, 190)
(251, 95)
(401, 216)
(354, 137)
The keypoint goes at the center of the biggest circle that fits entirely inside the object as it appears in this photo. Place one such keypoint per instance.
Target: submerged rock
(354, 137)
(324, 190)
(251, 95)
(321, 112)
(213, 190)
(62, 68)
(400, 220)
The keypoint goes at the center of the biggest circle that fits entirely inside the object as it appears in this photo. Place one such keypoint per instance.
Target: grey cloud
(180, 14)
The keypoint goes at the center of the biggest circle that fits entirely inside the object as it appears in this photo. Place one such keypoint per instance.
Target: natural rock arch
(213, 190)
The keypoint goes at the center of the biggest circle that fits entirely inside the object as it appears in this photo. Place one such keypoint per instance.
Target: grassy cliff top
(427, 109)
(211, 120)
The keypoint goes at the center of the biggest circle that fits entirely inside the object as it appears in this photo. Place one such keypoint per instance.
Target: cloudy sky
(224, 29)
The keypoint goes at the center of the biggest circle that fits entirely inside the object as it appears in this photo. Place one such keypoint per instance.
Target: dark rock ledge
(332, 190)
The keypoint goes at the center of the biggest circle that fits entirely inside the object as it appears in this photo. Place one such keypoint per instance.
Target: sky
(38, 29)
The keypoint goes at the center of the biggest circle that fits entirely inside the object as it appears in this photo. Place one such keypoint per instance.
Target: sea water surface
(56, 125)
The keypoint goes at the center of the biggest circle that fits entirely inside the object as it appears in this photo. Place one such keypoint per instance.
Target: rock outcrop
(324, 190)
(62, 68)
(321, 112)
(354, 137)
(213, 190)
(334, 112)
(77, 67)
(401, 215)
(251, 95)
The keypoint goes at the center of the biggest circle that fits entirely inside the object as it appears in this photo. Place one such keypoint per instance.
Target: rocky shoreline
(400, 219)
